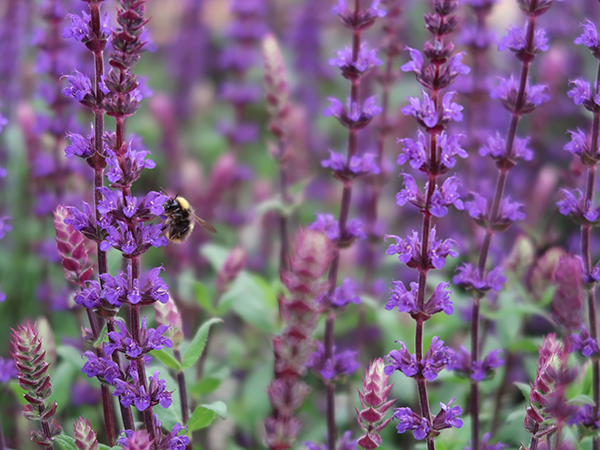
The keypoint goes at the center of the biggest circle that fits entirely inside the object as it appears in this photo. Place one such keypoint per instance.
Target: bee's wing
(204, 224)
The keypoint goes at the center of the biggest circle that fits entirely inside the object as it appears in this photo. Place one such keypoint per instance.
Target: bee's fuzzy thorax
(183, 202)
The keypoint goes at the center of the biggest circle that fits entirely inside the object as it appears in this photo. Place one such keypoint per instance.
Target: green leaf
(518, 415)
(524, 388)
(205, 414)
(71, 355)
(196, 347)
(167, 359)
(272, 204)
(582, 400)
(205, 386)
(65, 442)
(523, 345)
(202, 297)
(201, 418)
(101, 337)
(247, 298)
(62, 379)
(215, 254)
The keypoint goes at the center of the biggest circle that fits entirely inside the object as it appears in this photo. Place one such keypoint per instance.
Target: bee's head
(171, 205)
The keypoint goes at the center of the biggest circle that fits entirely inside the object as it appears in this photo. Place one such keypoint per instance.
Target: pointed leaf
(65, 442)
(196, 347)
(167, 359)
(203, 298)
(524, 388)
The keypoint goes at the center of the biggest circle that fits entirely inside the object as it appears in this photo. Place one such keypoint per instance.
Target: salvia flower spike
(32, 372)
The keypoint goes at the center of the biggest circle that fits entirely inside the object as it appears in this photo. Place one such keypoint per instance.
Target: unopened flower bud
(276, 86)
(85, 436)
(168, 314)
(72, 249)
(234, 263)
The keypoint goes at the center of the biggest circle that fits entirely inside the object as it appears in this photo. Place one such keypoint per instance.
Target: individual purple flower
(440, 300)
(444, 196)
(353, 116)
(496, 148)
(80, 27)
(424, 112)
(345, 294)
(80, 146)
(508, 213)
(340, 364)
(406, 249)
(360, 20)
(589, 37)
(516, 42)
(7, 369)
(469, 278)
(359, 166)
(416, 63)
(439, 250)
(328, 225)
(581, 93)
(134, 161)
(149, 339)
(449, 148)
(414, 151)
(402, 299)
(79, 87)
(133, 242)
(84, 221)
(103, 368)
(507, 90)
(578, 144)
(403, 361)
(492, 360)
(408, 420)
(365, 61)
(580, 209)
(584, 343)
(448, 417)
(5, 227)
(89, 297)
(435, 359)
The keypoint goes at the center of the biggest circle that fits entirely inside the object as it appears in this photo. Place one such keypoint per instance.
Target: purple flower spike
(507, 90)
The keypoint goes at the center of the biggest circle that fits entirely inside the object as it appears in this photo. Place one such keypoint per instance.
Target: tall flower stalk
(391, 48)
(278, 107)
(92, 31)
(518, 98)
(354, 63)
(580, 206)
(433, 153)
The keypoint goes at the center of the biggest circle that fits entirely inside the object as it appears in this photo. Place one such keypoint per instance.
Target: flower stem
(343, 219)
(182, 389)
(493, 217)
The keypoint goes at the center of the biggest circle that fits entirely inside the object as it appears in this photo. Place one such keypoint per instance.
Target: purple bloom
(402, 299)
(353, 116)
(363, 19)
(416, 64)
(448, 417)
(328, 225)
(345, 293)
(468, 277)
(5, 227)
(103, 368)
(448, 148)
(341, 364)
(79, 86)
(409, 250)
(444, 196)
(496, 147)
(578, 144)
(491, 361)
(150, 339)
(7, 369)
(80, 27)
(414, 151)
(359, 165)
(507, 90)
(589, 37)
(90, 296)
(425, 112)
(581, 93)
(435, 359)
(366, 60)
(80, 146)
(406, 249)
(403, 361)
(134, 162)
(515, 41)
(408, 420)
(584, 343)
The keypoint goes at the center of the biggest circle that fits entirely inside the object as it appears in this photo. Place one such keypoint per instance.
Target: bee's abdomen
(180, 230)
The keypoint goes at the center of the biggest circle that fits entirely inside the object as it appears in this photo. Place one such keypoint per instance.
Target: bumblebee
(181, 220)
